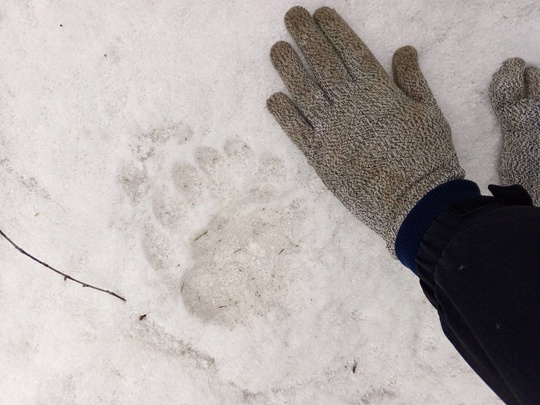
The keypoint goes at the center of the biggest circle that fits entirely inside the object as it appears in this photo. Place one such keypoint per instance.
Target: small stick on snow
(66, 276)
(201, 235)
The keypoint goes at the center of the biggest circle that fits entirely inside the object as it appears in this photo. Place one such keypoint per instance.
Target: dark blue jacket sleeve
(479, 265)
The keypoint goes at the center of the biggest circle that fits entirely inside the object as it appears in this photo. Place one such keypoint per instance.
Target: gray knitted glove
(515, 97)
(378, 144)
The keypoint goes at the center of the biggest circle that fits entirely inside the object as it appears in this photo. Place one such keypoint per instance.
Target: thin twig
(66, 276)
(201, 235)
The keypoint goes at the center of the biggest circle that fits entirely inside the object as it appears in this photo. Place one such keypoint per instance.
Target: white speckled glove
(378, 144)
(515, 97)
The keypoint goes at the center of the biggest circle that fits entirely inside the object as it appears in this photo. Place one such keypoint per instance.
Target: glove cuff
(418, 220)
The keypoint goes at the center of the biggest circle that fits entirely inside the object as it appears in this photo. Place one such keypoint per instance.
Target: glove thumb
(409, 77)
(508, 85)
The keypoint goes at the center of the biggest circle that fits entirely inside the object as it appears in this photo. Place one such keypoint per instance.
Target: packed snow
(137, 155)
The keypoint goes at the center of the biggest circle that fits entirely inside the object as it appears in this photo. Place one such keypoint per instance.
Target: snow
(137, 155)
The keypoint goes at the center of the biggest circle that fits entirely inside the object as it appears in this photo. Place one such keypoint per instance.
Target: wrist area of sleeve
(419, 219)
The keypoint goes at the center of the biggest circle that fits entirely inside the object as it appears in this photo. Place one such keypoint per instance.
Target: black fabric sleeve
(479, 265)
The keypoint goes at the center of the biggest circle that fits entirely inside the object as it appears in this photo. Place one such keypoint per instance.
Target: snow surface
(137, 154)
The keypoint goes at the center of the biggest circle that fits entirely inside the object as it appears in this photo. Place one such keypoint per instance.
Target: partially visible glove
(378, 144)
(515, 97)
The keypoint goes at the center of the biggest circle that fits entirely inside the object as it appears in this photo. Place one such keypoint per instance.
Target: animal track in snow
(242, 262)
(234, 211)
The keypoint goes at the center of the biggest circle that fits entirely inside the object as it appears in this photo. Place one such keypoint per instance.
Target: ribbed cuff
(419, 219)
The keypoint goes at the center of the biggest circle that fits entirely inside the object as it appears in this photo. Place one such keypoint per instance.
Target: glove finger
(508, 84)
(532, 83)
(291, 121)
(409, 77)
(356, 56)
(305, 92)
(327, 67)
